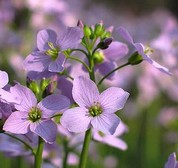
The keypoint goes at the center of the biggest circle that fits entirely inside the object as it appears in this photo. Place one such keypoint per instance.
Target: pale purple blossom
(33, 116)
(140, 48)
(50, 49)
(172, 162)
(95, 110)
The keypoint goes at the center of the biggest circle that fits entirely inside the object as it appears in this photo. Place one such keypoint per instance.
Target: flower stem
(99, 83)
(78, 60)
(66, 152)
(79, 50)
(38, 156)
(84, 154)
(20, 140)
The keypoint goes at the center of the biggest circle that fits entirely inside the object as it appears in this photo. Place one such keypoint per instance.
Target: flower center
(95, 110)
(34, 114)
(148, 50)
(52, 52)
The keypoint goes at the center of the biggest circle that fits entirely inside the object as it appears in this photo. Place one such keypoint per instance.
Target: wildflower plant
(40, 109)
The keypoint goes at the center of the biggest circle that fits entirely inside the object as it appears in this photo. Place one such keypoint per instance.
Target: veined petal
(125, 34)
(58, 64)
(70, 38)
(84, 91)
(106, 123)
(116, 51)
(46, 129)
(4, 79)
(17, 123)
(37, 61)
(53, 104)
(76, 119)
(45, 36)
(26, 96)
(113, 99)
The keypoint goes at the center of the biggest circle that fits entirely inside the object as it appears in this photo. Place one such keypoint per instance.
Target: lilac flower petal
(116, 51)
(17, 123)
(122, 128)
(46, 129)
(106, 123)
(111, 141)
(171, 163)
(45, 36)
(65, 86)
(76, 119)
(4, 79)
(84, 91)
(58, 64)
(37, 61)
(8, 97)
(26, 96)
(70, 38)
(115, 142)
(53, 104)
(125, 34)
(33, 75)
(5, 110)
(140, 49)
(106, 67)
(113, 99)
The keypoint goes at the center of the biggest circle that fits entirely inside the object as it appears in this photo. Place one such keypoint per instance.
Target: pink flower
(33, 116)
(140, 48)
(95, 109)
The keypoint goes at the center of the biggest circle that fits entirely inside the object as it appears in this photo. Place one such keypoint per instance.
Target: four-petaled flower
(33, 116)
(139, 47)
(94, 109)
(50, 49)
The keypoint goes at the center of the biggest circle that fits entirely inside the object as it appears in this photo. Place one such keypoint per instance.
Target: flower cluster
(59, 101)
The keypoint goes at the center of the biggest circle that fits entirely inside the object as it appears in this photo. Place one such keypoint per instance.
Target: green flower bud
(87, 31)
(106, 34)
(44, 83)
(135, 59)
(99, 30)
(34, 87)
(98, 57)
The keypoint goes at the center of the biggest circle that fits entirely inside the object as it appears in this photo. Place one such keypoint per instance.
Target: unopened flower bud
(87, 31)
(105, 43)
(99, 30)
(80, 24)
(98, 57)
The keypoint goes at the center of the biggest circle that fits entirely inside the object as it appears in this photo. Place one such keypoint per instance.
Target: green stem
(99, 83)
(94, 50)
(38, 156)
(84, 154)
(79, 50)
(20, 140)
(66, 152)
(78, 60)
